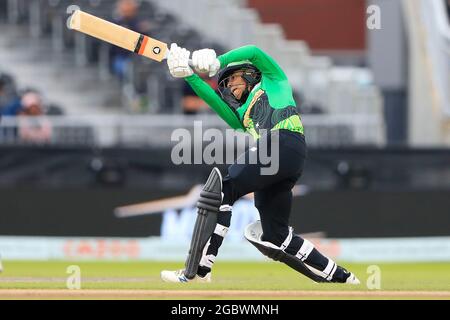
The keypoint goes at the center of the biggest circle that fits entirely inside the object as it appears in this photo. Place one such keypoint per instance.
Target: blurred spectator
(126, 15)
(191, 103)
(31, 127)
(9, 99)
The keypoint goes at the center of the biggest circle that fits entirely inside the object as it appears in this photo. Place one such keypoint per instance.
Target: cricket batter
(254, 95)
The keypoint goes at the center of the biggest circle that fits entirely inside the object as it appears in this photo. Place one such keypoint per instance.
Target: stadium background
(86, 128)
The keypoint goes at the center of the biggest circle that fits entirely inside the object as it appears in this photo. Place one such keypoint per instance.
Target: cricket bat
(118, 36)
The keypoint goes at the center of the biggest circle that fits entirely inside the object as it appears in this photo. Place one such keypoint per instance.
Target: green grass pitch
(406, 280)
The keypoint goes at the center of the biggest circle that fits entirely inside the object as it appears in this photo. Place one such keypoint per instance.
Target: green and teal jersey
(270, 105)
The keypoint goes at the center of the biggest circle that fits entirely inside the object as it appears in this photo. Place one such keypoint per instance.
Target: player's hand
(205, 61)
(178, 62)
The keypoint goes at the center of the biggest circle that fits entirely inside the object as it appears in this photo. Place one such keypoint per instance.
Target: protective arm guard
(208, 207)
(253, 233)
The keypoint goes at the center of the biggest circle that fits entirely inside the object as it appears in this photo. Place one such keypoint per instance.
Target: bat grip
(191, 64)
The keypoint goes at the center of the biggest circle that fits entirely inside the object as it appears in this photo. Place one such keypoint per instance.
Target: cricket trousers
(273, 198)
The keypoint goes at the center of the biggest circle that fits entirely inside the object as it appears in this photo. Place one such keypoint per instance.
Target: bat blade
(118, 35)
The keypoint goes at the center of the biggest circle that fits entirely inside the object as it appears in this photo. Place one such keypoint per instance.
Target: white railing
(156, 130)
(438, 32)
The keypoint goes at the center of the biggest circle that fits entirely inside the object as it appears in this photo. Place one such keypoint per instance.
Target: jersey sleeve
(204, 91)
(265, 63)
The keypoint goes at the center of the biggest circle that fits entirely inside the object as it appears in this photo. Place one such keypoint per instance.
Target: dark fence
(326, 169)
(352, 192)
(89, 212)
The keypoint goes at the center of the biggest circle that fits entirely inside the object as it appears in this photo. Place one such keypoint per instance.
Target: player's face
(236, 84)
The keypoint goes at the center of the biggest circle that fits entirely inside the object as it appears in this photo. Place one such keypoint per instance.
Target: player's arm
(265, 63)
(178, 62)
(204, 91)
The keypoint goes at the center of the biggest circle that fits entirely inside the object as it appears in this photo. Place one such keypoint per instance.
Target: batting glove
(178, 62)
(205, 61)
